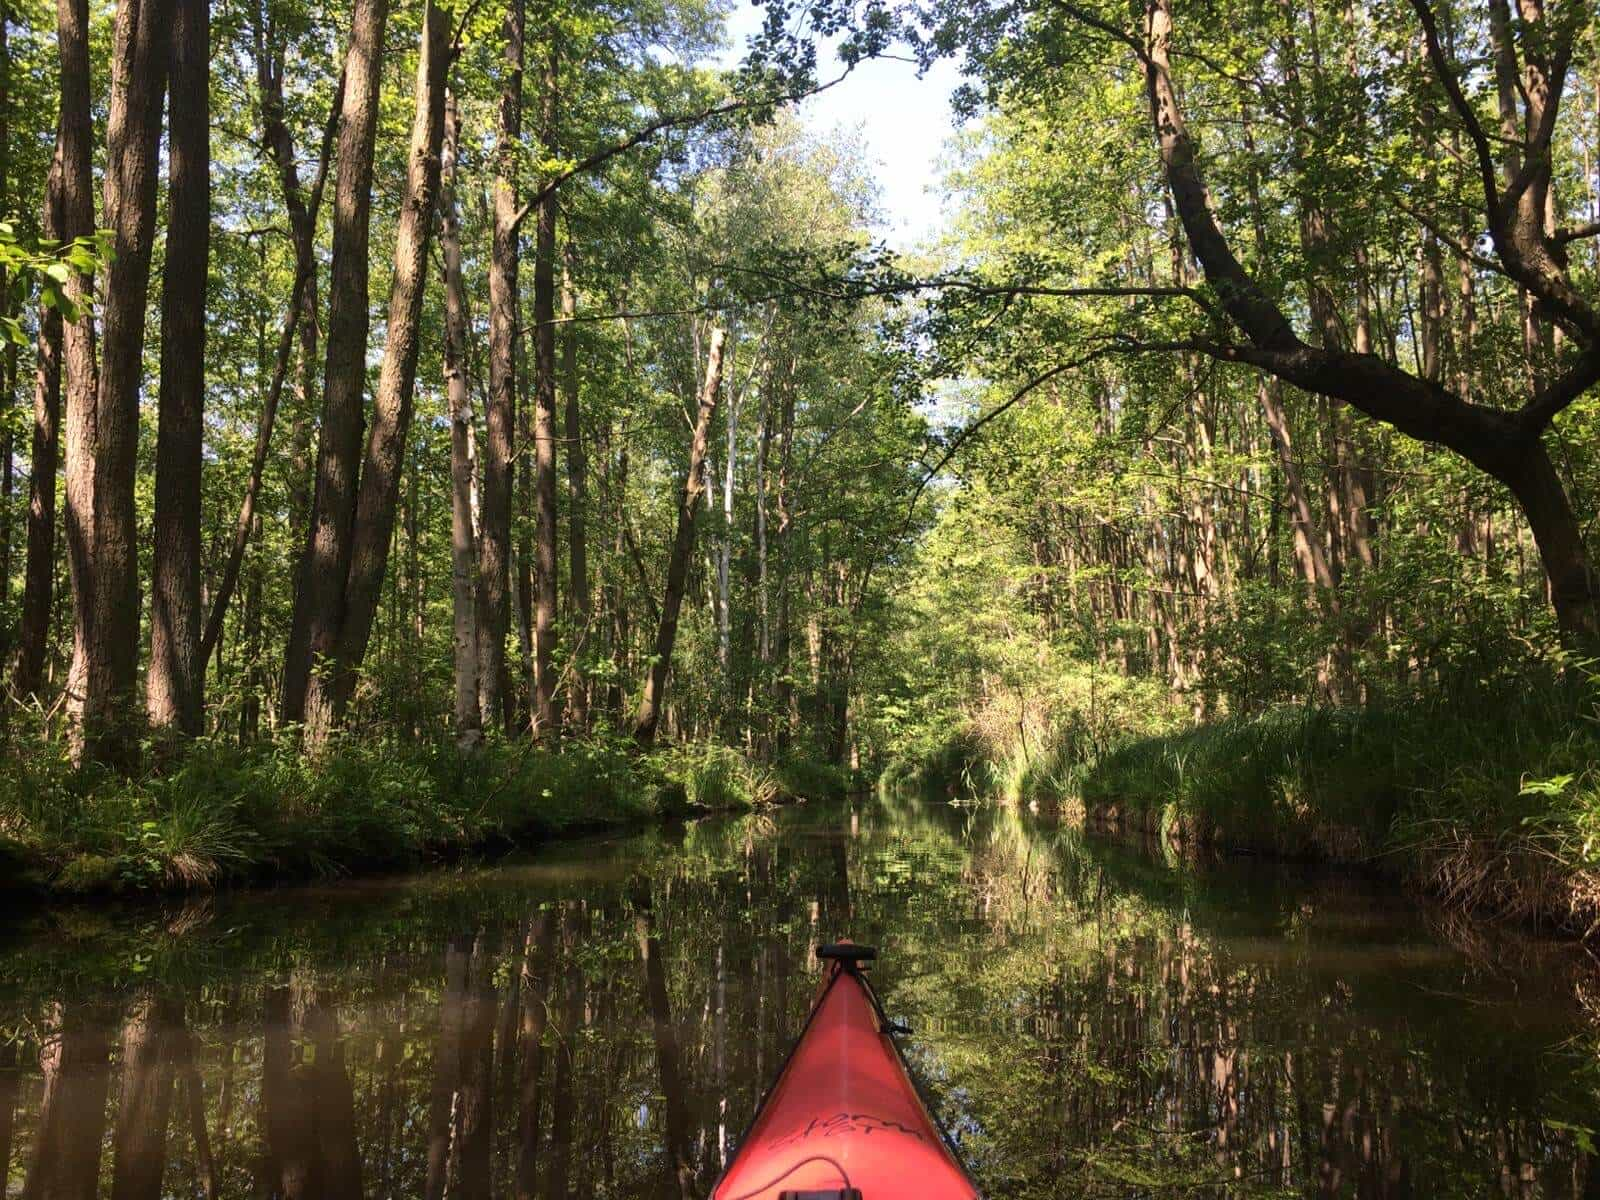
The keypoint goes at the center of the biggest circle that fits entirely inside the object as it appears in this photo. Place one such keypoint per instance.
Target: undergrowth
(1487, 795)
(222, 813)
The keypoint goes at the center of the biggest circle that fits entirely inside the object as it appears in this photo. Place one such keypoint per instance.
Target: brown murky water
(600, 1019)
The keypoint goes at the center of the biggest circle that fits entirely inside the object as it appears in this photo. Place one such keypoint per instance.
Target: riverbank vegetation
(262, 812)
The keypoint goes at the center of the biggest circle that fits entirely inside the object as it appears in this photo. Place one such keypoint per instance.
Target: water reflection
(600, 1020)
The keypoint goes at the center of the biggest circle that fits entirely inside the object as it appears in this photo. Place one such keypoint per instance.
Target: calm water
(599, 1020)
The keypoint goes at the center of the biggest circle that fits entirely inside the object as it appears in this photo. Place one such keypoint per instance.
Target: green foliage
(715, 778)
(51, 266)
(225, 814)
(1488, 795)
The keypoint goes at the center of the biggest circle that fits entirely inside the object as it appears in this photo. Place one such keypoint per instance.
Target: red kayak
(844, 1121)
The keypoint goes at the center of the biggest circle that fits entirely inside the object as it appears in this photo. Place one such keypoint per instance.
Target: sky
(903, 121)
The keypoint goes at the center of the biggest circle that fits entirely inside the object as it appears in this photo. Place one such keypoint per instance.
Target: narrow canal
(600, 1019)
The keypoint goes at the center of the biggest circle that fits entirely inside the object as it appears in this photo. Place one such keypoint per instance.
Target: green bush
(715, 778)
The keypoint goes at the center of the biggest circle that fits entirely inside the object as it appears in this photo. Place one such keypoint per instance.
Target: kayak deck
(844, 1121)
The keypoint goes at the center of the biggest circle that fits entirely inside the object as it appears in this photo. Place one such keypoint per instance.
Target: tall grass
(1490, 797)
(222, 813)
(1487, 794)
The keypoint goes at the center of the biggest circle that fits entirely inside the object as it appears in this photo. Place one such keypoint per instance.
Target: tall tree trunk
(107, 729)
(1309, 551)
(783, 685)
(546, 716)
(617, 481)
(655, 685)
(74, 140)
(176, 681)
(494, 546)
(319, 594)
(577, 494)
(392, 406)
(38, 591)
(463, 550)
(269, 49)
(725, 541)
(375, 508)
(254, 681)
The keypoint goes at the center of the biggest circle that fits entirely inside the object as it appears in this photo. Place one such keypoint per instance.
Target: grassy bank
(1487, 798)
(223, 814)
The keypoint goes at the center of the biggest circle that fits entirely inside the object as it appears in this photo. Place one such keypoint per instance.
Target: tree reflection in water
(600, 1021)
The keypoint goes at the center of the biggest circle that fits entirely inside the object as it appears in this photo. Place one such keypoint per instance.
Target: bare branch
(1577, 233)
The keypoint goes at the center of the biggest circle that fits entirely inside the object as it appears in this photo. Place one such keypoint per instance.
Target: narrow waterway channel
(599, 1019)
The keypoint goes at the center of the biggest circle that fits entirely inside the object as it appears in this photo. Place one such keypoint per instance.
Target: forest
(434, 427)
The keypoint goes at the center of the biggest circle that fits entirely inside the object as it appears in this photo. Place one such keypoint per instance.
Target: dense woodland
(472, 374)
(582, 437)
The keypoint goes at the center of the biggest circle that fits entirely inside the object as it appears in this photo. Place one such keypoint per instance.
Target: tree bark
(577, 495)
(319, 595)
(783, 685)
(546, 716)
(38, 589)
(392, 406)
(175, 697)
(464, 628)
(75, 142)
(107, 728)
(655, 686)
(494, 546)
(725, 541)
(268, 45)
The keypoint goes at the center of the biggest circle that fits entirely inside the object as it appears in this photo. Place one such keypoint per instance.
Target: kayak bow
(844, 1121)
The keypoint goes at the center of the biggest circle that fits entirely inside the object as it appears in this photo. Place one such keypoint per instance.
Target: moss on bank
(1488, 798)
(223, 814)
